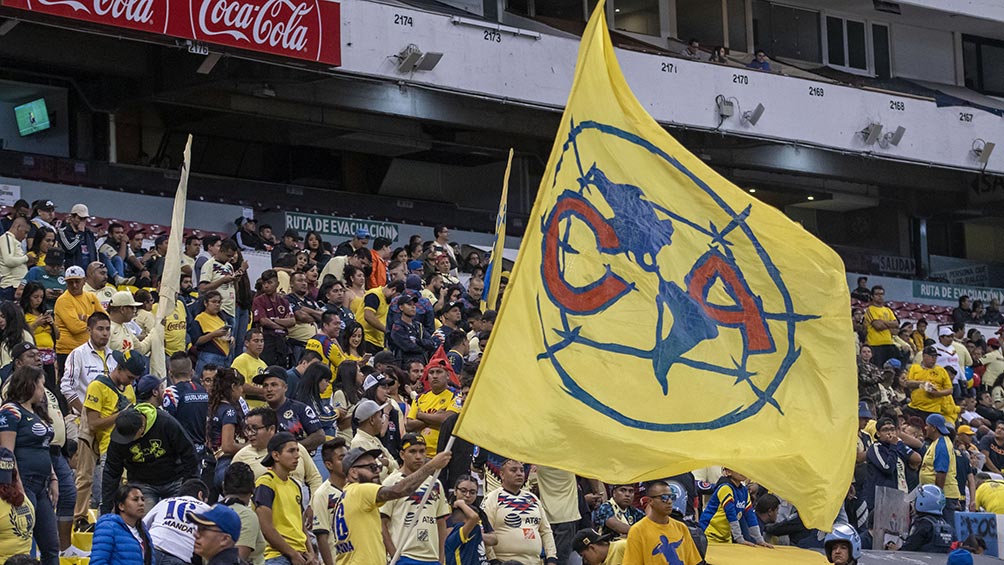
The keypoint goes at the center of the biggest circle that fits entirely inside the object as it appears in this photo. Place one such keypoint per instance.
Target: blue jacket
(114, 544)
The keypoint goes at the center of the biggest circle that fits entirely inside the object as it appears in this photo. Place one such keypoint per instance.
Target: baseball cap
(415, 265)
(964, 429)
(272, 371)
(20, 349)
(930, 350)
(54, 256)
(6, 466)
(938, 421)
(413, 282)
(893, 364)
(864, 411)
(220, 516)
(452, 305)
(960, 557)
(275, 444)
(354, 454)
(405, 299)
(362, 233)
(993, 342)
(585, 538)
(73, 272)
(135, 363)
(146, 386)
(410, 439)
(80, 210)
(126, 425)
(292, 233)
(123, 298)
(945, 330)
(47, 205)
(373, 380)
(366, 409)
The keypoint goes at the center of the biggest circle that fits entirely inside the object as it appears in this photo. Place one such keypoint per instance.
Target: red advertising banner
(300, 29)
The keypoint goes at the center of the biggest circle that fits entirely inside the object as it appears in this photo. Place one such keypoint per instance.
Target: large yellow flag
(659, 319)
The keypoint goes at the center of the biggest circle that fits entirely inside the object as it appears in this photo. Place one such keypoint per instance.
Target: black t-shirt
(995, 453)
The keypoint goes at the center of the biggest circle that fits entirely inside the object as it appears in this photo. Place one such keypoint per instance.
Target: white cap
(945, 330)
(366, 409)
(80, 210)
(372, 380)
(74, 272)
(122, 298)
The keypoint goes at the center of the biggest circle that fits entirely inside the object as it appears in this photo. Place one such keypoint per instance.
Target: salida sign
(300, 29)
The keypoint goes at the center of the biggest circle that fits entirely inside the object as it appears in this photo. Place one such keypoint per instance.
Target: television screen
(32, 117)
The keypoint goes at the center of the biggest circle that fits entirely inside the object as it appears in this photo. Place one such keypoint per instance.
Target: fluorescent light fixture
(457, 20)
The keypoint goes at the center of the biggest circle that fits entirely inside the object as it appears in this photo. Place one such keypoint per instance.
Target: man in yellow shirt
(278, 502)
(250, 364)
(373, 313)
(357, 526)
(72, 309)
(106, 397)
(931, 386)
(658, 539)
(989, 494)
(431, 409)
(880, 322)
(597, 549)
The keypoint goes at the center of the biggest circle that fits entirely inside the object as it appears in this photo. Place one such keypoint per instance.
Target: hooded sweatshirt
(163, 454)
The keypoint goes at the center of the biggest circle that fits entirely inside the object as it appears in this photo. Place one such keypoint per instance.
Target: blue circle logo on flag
(661, 308)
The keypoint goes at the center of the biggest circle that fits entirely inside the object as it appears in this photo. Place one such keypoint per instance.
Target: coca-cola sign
(301, 29)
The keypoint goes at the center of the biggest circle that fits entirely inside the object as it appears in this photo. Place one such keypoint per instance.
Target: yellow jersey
(649, 543)
(940, 458)
(248, 367)
(106, 399)
(375, 301)
(357, 527)
(286, 501)
(431, 402)
(175, 329)
(919, 398)
(874, 336)
(990, 497)
(16, 526)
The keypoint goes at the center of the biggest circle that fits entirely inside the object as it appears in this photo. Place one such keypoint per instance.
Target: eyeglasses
(466, 491)
(667, 498)
(373, 467)
(254, 429)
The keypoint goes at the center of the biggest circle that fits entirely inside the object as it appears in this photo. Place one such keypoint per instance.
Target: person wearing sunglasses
(357, 526)
(657, 538)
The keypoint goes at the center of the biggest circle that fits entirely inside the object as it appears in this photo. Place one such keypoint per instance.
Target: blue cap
(362, 233)
(893, 364)
(413, 282)
(220, 516)
(938, 421)
(146, 385)
(864, 411)
(960, 557)
(415, 265)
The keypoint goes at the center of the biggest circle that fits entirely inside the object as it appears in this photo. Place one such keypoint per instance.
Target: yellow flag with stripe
(493, 274)
(659, 319)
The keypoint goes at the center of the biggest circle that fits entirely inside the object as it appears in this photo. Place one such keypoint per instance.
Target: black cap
(930, 350)
(20, 349)
(126, 425)
(587, 537)
(405, 299)
(354, 454)
(273, 371)
(275, 444)
(293, 234)
(54, 256)
(452, 305)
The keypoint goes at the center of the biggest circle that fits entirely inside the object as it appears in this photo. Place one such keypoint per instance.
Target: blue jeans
(115, 266)
(161, 558)
(241, 319)
(36, 489)
(67, 488)
(222, 464)
(206, 358)
(281, 560)
(155, 493)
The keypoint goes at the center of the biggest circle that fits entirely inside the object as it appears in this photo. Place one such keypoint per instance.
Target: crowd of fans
(305, 413)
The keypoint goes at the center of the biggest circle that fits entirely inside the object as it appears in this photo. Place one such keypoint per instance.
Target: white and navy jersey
(169, 530)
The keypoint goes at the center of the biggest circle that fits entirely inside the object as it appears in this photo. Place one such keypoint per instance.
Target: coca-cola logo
(136, 11)
(276, 23)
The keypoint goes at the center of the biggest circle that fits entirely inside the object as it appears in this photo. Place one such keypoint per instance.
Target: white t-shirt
(168, 528)
(947, 357)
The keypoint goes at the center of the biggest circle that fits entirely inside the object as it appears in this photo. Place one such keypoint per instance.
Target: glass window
(880, 46)
(638, 16)
(700, 20)
(856, 51)
(521, 7)
(835, 41)
(993, 67)
(983, 64)
(737, 24)
(561, 9)
(787, 32)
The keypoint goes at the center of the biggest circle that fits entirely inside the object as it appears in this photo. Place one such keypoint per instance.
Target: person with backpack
(930, 532)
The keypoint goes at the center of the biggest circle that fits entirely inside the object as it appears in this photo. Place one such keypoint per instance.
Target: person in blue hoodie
(120, 537)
